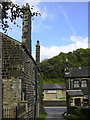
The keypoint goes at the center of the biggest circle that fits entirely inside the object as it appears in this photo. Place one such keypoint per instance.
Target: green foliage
(42, 116)
(11, 11)
(78, 114)
(54, 81)
(62, 98)
(41, 88)
(53, 69)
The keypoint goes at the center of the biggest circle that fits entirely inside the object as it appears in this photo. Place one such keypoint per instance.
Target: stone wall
(28, 82)
(11, 73)
(55, 103)
(0, 76)
(19, 80)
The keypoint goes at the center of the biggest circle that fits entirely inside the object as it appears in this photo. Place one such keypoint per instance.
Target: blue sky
(63, 27)
(62, 20)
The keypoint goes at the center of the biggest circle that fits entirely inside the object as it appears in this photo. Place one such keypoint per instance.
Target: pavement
(55, 113)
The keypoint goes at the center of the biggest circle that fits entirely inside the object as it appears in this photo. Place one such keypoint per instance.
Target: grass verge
(42, 116)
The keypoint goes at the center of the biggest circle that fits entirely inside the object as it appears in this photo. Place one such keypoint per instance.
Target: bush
(76, 115)
(42, 116)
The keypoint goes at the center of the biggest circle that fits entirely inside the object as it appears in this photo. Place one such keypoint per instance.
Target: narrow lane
(55, 113)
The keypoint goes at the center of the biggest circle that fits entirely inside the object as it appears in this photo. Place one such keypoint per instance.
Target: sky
(62, 26)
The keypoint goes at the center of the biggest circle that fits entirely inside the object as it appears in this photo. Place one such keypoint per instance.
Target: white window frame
(83, 83)
(76, 84)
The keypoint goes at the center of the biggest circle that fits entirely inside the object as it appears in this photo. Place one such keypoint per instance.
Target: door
(77, 102)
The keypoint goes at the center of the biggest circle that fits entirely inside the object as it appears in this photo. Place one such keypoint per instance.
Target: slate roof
(53, 86)
(74, 93)
(78, 72)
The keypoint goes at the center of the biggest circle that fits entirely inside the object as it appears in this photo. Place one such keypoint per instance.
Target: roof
(4, 35)
(53, 86)
(78, 72)
(74, 93)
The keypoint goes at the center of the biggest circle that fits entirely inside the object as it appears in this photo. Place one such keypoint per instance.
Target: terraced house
(78, 87)
(19, 75)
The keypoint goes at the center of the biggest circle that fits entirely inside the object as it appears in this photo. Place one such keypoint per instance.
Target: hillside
(53, 69)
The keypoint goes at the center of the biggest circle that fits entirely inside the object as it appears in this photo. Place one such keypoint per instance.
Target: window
(83, 83)
(76, 84)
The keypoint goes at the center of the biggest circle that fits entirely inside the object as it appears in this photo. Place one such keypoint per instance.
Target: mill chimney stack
(26, 28)
(38, 52)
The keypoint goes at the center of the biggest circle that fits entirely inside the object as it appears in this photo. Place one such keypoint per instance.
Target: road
(55, 113)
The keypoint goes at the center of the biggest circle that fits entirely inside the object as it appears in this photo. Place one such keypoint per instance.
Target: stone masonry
(19, 79)
(19, 75)
(26, 28)
(0, 76)
(11, 72)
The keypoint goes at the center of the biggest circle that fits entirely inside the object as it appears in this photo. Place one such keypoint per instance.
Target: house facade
(19, 75)
(78, 83)
(54, 91)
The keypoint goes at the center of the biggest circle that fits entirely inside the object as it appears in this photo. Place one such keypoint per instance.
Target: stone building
(54, 91)
(19, 75)
(78, 86)
(0, 78)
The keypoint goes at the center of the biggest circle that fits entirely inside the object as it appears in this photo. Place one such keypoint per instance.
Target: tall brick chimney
(26, 28)
(38, 52)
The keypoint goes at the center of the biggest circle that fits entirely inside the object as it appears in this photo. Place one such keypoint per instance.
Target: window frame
(76, 84)
(84, 83)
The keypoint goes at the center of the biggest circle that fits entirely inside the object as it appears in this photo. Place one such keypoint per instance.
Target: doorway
(77, 102)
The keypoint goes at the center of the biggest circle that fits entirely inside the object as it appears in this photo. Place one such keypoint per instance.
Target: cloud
(78, 42)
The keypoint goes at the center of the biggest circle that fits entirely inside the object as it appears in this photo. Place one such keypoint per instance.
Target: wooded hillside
(53, 69)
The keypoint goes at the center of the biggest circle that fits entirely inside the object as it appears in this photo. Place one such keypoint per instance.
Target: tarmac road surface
(55, 113)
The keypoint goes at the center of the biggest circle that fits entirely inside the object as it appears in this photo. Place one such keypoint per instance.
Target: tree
(11, 11)
(54, 68)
